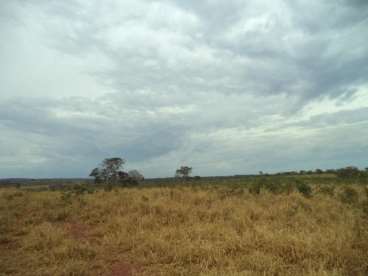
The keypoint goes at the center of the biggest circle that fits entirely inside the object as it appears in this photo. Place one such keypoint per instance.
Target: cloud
(227, 87)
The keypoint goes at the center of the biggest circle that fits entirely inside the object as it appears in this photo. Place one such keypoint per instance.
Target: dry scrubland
(189, 230)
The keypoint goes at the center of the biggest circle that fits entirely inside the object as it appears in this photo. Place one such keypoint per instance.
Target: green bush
(349, 195)
(304, 189)
(274, 187)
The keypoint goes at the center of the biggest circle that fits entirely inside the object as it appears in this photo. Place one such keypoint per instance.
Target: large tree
(111, 168)
(110, 172)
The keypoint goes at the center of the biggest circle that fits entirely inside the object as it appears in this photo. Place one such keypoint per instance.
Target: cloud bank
(228, 87)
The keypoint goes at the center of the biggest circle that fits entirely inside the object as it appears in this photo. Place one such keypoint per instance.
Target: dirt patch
(8, 243)
(77, 231)
(4, 241)
(123, 269)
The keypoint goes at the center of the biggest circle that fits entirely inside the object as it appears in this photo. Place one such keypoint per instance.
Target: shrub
(327, 190)
(108, 187)
(75, 191)
(288, 187)
(80, 189)
(136, 176)
(66, 197)
(364, 206)
(255, 188)
(11, 195)
(304, 189)
(273, 187)
(130, 182)
(349, 195)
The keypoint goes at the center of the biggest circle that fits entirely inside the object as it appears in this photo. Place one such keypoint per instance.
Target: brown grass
(181, 231)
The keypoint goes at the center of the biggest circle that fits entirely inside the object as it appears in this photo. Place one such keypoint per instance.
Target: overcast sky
(228, 87)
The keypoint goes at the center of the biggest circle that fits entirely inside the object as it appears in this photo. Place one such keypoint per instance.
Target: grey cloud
(219, 84)
(70, 132)
(283, 52)
(346, 117)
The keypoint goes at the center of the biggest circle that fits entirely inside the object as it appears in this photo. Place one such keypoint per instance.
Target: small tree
(136, 175)
(183, 172)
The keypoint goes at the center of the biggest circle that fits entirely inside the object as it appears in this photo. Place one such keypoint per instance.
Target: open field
(208, 228)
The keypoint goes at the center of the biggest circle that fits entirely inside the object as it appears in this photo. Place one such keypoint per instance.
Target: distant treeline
(350, 172)
(15, 182)
(347, 172)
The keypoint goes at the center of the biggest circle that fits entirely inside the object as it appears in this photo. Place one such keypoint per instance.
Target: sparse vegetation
(255, 188)
(304, 188)
(349, 195)
(242, 226)
(327, 189)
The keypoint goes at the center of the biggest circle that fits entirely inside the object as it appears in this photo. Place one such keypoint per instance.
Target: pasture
(236, 226)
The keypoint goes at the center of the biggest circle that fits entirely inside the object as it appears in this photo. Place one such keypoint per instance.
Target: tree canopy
(111, 172)
(183, 172)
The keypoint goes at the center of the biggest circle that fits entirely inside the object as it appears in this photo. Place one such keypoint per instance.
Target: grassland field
(238, 226)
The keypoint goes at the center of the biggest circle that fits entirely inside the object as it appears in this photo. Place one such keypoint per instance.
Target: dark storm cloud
(228, 86)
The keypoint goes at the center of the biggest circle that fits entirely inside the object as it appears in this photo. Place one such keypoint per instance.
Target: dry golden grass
(181, 231)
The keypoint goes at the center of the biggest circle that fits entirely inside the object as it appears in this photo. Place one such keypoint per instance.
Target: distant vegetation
(183, 172)
(111, 173)
(291, 223)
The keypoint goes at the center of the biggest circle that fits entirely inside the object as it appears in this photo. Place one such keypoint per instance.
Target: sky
(227, 87)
